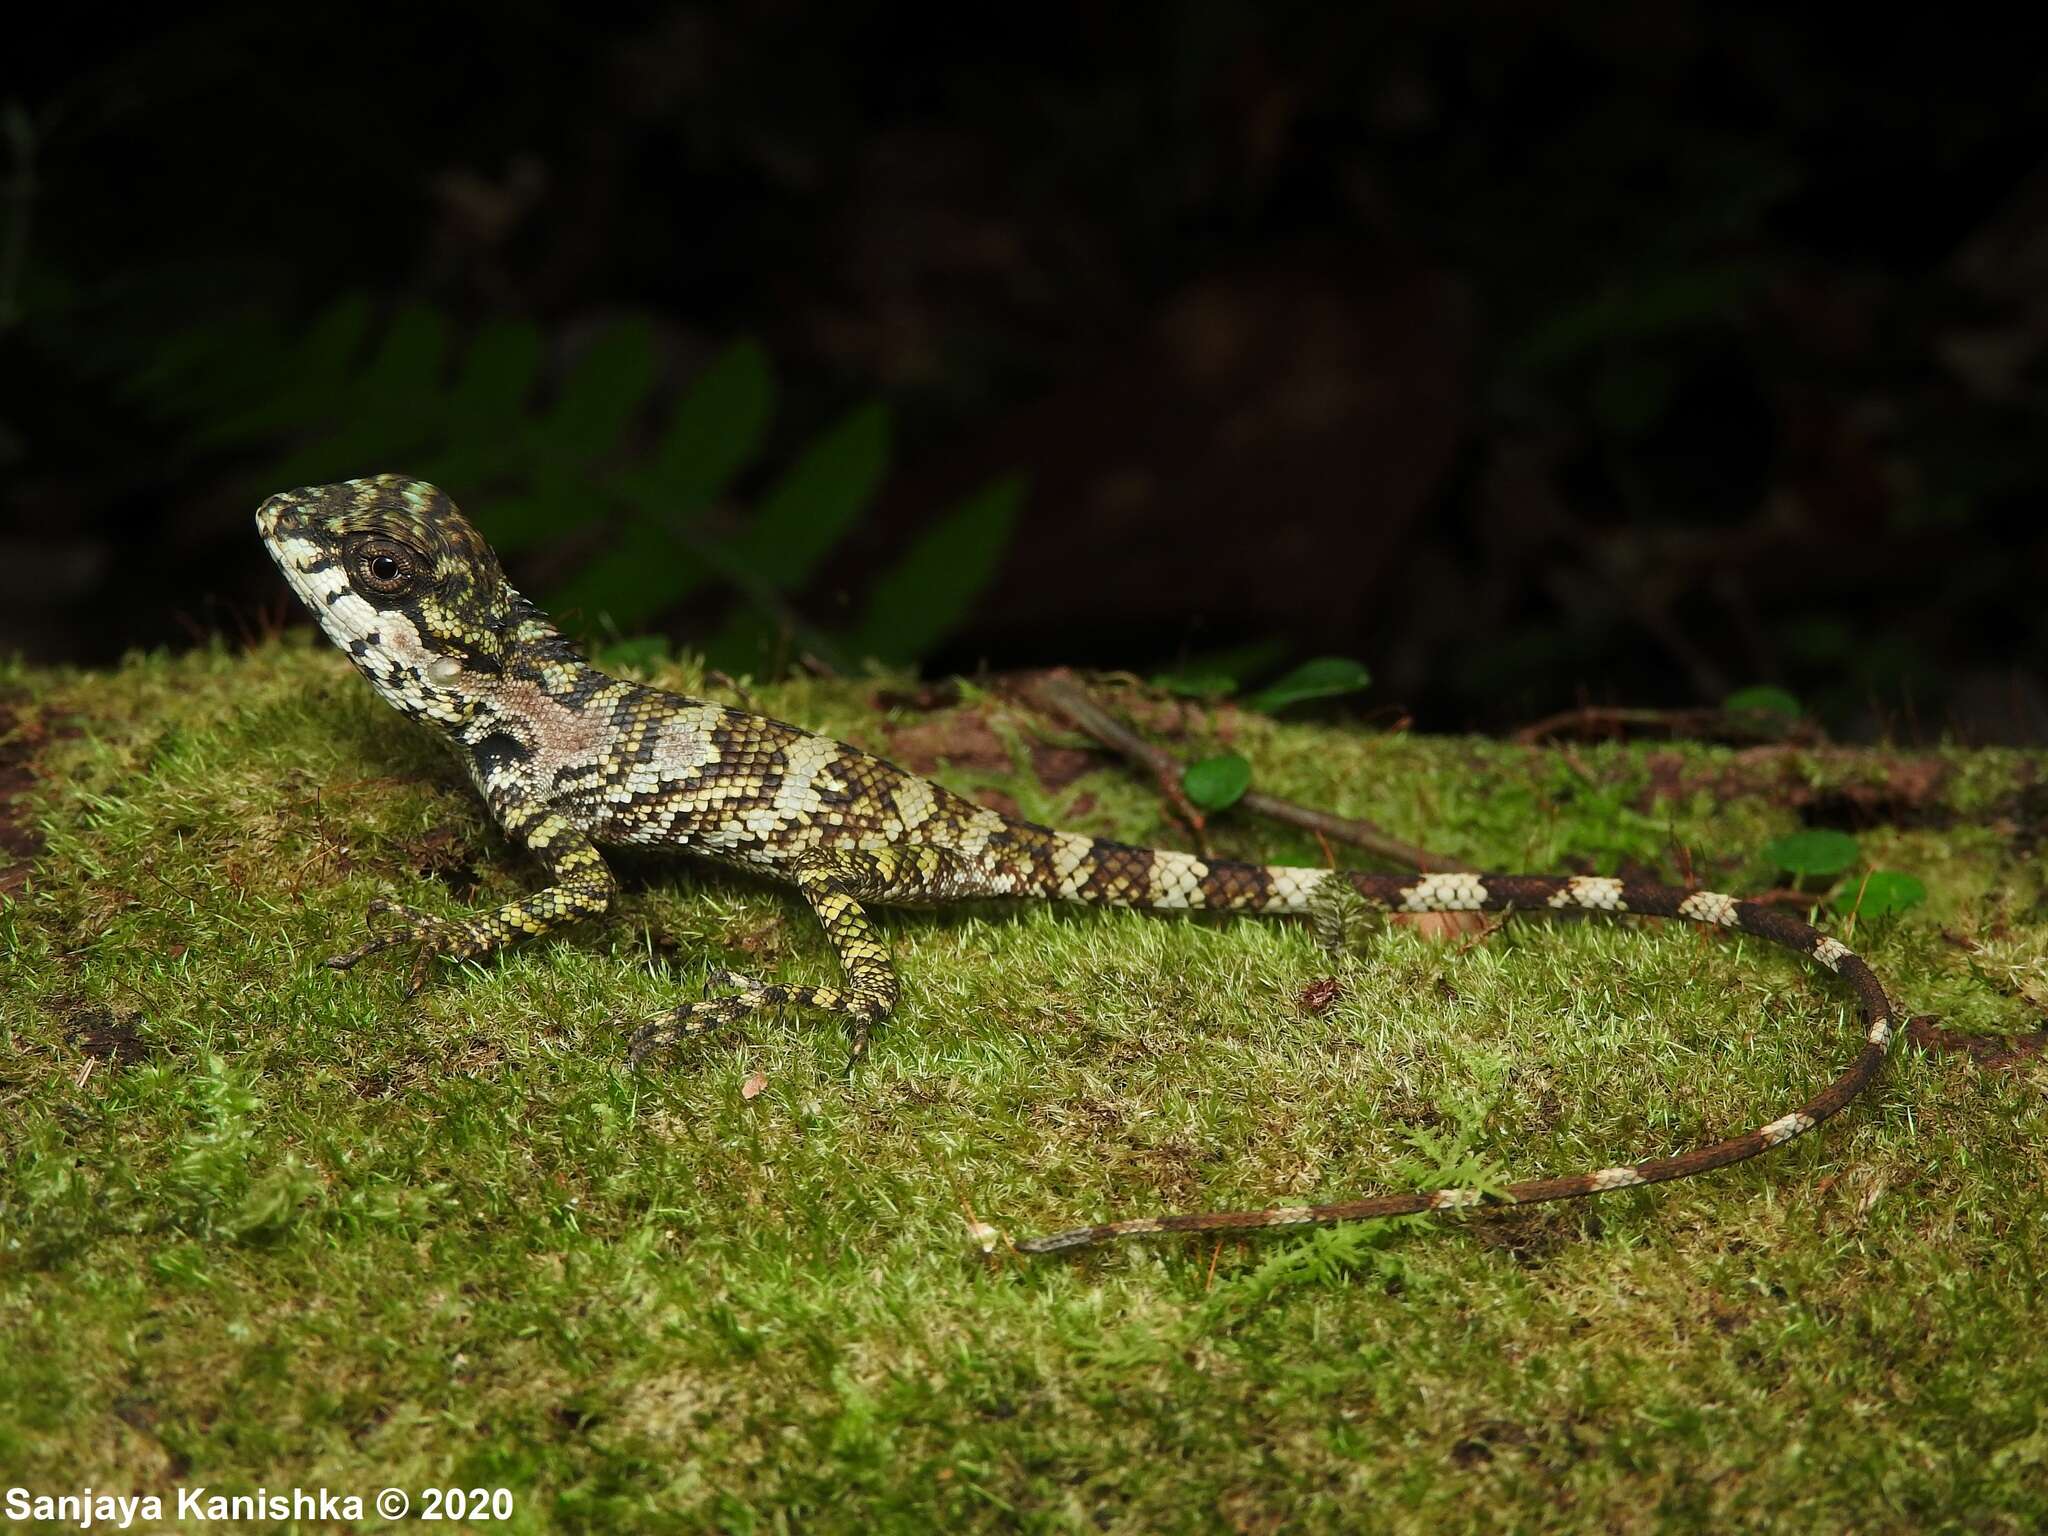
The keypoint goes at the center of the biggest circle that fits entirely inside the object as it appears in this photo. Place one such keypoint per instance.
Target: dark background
(1530, 355)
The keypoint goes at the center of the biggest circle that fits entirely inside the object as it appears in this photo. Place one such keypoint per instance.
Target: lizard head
(403, 584)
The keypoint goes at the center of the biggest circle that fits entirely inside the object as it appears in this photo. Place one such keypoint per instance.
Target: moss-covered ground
(266, 1224)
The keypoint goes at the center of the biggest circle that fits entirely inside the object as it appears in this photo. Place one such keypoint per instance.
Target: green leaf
(489, 434)
(406, 372)
(498, 373)
(1881, 893)
(926, 594)
(333, 341)
(1761, 700)
(816, 500)
(315, 387)
(715, 432)
(603, 389)
(1659, 305)
(1196, 683)
(1323, 678)
(1218, 672)
(1217, 783)
(393, 409)
(194, 371)
(641, 574)
(1817, 851)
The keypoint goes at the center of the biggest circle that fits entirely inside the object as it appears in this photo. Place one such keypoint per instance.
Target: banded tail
(1112, 874)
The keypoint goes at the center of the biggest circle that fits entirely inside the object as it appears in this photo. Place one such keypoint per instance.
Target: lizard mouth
(310, 568)
(297, 550)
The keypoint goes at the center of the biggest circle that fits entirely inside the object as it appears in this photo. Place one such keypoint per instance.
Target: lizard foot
(746, 996)
(685, 1023)
(433, 936)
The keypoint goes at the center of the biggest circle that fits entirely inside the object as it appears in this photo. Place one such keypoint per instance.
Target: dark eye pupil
(384, 568)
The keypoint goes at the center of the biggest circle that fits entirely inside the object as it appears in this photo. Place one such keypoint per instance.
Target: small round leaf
(1217, 783)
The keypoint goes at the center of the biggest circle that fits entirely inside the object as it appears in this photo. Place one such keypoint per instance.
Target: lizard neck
(531, 671)
(542, 721)
(539, 672)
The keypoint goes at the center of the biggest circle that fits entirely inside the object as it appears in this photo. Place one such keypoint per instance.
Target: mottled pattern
(1709, 907)
(569, 759)
(1596, 893)
(1830, 953)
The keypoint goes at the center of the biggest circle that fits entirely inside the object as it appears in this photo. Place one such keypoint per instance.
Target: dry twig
(1600, 721)
(1062, 696)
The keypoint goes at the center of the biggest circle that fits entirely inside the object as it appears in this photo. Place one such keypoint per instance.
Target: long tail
(1112, 874)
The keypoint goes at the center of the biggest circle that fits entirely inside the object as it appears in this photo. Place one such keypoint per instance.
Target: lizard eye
(385, 567)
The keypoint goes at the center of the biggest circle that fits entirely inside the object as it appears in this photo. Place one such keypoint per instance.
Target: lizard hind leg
(835, 883)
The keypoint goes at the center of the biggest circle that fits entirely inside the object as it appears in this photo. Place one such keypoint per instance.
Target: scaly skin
(569, 759)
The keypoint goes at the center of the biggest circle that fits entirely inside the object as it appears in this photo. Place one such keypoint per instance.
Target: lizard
(569, 759)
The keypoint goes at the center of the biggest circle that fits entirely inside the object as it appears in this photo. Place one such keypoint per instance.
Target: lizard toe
(684, 1023)
(432, 936)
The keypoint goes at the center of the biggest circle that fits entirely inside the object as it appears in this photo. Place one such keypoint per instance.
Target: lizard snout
(268, 514)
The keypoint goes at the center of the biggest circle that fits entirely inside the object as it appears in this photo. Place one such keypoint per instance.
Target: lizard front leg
(583, 888)
(835, 883)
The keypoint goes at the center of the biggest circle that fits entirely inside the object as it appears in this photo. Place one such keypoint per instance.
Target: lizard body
(568, 759)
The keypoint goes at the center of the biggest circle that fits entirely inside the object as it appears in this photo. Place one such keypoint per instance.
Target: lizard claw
(857, 1048)
(417, 979)
(433, 935)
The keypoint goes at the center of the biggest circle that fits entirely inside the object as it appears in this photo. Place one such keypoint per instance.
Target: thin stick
(1786, 896)
(1986, 1050)
(1598, 720)
(1064, 697)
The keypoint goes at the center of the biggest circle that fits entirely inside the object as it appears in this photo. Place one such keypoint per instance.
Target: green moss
(261, 1223)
